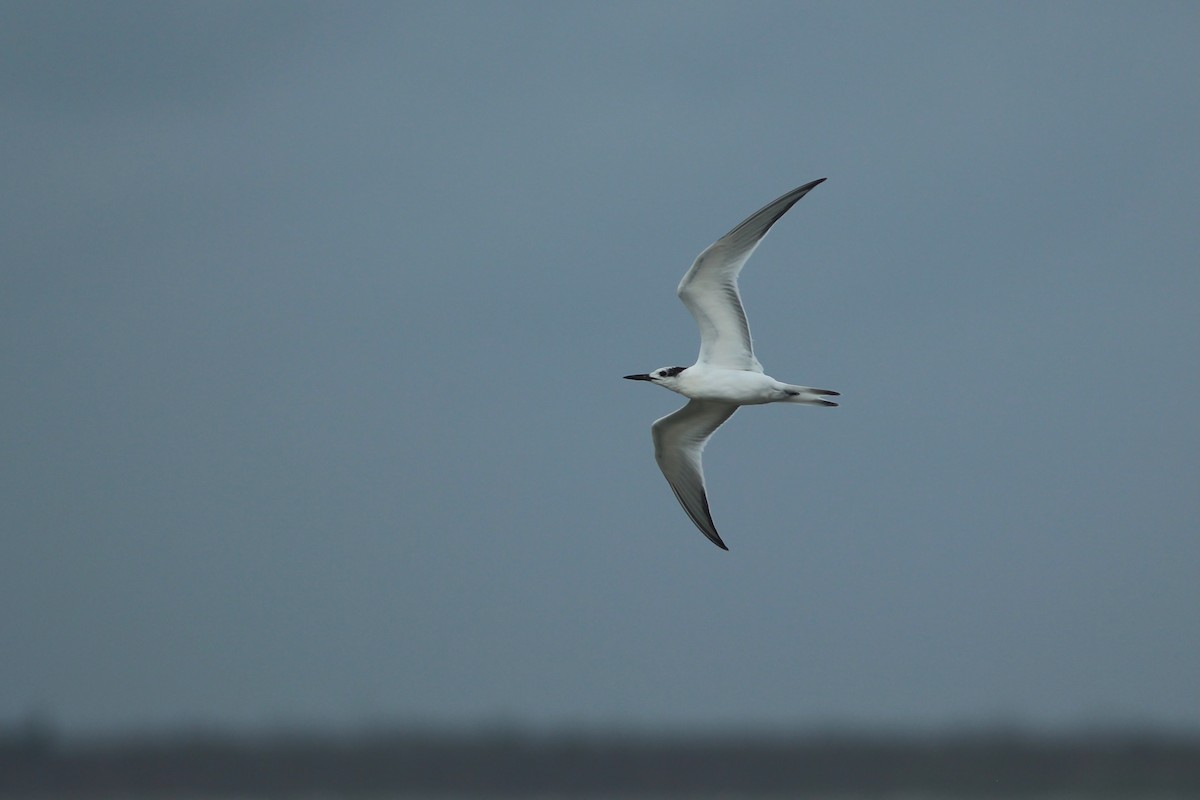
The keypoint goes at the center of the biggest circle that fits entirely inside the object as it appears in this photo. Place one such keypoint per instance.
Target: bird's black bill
(637, 377)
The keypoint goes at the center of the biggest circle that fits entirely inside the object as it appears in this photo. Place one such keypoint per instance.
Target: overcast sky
(313, 318)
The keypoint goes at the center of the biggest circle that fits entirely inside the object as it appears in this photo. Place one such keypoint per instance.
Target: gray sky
(313, 317)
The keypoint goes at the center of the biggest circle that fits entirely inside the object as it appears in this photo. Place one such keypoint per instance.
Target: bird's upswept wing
(679, 439)
(710, 290)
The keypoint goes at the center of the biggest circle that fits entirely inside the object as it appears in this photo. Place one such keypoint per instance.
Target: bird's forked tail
(806, 395)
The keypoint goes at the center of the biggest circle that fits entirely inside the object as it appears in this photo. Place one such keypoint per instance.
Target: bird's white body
(726, 375)
(736, 386)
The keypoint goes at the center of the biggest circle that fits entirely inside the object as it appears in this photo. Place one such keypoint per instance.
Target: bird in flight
(726, 375)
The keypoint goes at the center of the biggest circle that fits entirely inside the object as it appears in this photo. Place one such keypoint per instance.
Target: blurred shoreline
(511, 762)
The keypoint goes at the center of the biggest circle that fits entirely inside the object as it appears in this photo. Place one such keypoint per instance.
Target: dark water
(613, 766)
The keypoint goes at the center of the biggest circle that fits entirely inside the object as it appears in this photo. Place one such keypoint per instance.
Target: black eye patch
(673, 371)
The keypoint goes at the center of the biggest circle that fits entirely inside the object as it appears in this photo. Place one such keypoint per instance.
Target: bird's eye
(662, 373)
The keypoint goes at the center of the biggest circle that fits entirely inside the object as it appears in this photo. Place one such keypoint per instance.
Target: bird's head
(667, 377)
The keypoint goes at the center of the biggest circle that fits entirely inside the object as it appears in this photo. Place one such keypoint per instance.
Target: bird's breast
(729, 386)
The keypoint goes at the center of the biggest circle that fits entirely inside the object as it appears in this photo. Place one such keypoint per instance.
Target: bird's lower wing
(710, 290)
(679, 440)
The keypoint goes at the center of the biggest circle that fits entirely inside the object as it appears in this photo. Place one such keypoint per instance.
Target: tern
(726, 375)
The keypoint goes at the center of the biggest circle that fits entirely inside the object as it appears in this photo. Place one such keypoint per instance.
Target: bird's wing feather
(679, 439)
(710, 289)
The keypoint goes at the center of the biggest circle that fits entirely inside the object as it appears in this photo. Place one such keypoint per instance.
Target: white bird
(726, 375)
